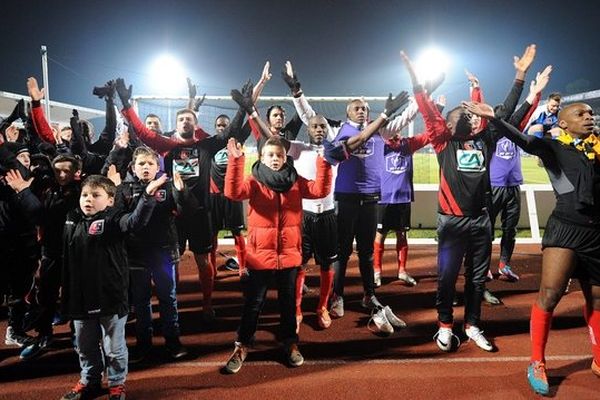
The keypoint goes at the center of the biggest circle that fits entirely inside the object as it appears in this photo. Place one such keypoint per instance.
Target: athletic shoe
(380, 320)
(294, 357)
(299, 319)
(490, 298)
(82, 392)
(508, 274)
(475, 334)
(407, 279)
(393, 319)
(323, 318)
(234, 364)
(14, 338)
(536, 375)
(232, 264)
(175, 348)
(116, 392)
(443, 338)
(337, 306)
(59, 320)
(490, 276)
(33, 350)
(595, 368)
(377, 279)
(370, 302)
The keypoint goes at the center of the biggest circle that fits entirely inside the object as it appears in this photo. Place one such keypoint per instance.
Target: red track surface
(347, 360)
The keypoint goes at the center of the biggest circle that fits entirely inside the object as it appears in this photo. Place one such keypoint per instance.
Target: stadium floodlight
(167, 74)
(431, 62)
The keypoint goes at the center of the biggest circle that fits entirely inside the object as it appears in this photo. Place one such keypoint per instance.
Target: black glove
(248, 88)
(107, 90)
(18, 112)
(394, 104)
(123, 92)
(432, 84)
(244, 101)
(291, 81)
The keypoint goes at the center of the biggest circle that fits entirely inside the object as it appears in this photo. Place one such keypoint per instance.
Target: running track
(347, 360)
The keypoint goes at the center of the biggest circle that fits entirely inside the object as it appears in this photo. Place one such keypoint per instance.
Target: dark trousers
(356, 219)
(49, 287)
(20, 261)
(506, 202)
(458, 238)
(255, 286)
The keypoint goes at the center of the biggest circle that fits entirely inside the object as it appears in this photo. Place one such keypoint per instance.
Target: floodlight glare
(167, 74)
(430, 63)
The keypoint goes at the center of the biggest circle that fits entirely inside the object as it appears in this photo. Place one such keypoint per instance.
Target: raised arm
(139, 217)
(236, 187)
(107, 137)
(150, 138)
(260, 85)
(194, 103)
(435, 124)
(521, 116)
(40, 123)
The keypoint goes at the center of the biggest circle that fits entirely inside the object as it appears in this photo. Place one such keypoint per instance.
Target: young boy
(274, 249)
(96, 281)
(152, 254)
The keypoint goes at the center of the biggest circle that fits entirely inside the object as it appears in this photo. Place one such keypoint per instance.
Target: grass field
(426, 169)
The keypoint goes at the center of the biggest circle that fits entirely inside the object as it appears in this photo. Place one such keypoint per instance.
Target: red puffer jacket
(274, 219)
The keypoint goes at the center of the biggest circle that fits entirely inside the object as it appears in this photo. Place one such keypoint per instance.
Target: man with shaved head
(571, 243)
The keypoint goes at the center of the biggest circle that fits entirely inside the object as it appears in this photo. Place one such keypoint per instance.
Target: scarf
(590, 145)
(278, 181)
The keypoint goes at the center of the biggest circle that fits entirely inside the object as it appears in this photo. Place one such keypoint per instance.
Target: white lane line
(524, 359)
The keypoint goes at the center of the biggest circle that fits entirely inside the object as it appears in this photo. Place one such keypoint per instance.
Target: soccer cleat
(299, 319)
(116, 392)
(475, 334)
(234, 364)
(393, 318)
(82, 392)
(14, 338)
(407, 279)
(380, 320)
(337, 306)
(294, 357)
(490, 298)
(370, 302)
(536, 375)
(34, 350)
(595, 368)
(443, 338)
(323, 318)
(507, 273)
(377, 278)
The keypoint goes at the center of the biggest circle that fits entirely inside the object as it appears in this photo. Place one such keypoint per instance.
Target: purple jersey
(505, 165)
(397, 175)
(361, 172)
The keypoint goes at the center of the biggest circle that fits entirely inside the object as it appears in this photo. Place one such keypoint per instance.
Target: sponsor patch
(366, 150)
(506, 149)
(96, 228)
(470, 160)
(160, 195)
(396, 164)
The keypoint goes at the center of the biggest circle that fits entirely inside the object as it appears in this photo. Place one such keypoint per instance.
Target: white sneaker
(337, 307)
(475, 334)
(407, 279)
(393, 319)
(443, 339)
(380, 320)
(377, 279)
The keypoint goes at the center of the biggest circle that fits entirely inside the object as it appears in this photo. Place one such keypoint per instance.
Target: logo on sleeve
(96, 228)
(160, 195)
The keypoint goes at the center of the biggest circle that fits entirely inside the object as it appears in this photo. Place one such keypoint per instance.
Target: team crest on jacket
(506, 149)
(160, 195)
(396, 164)
(366, 150)
(96, 228)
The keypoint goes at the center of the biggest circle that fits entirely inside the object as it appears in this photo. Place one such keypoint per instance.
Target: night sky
(337, 47)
